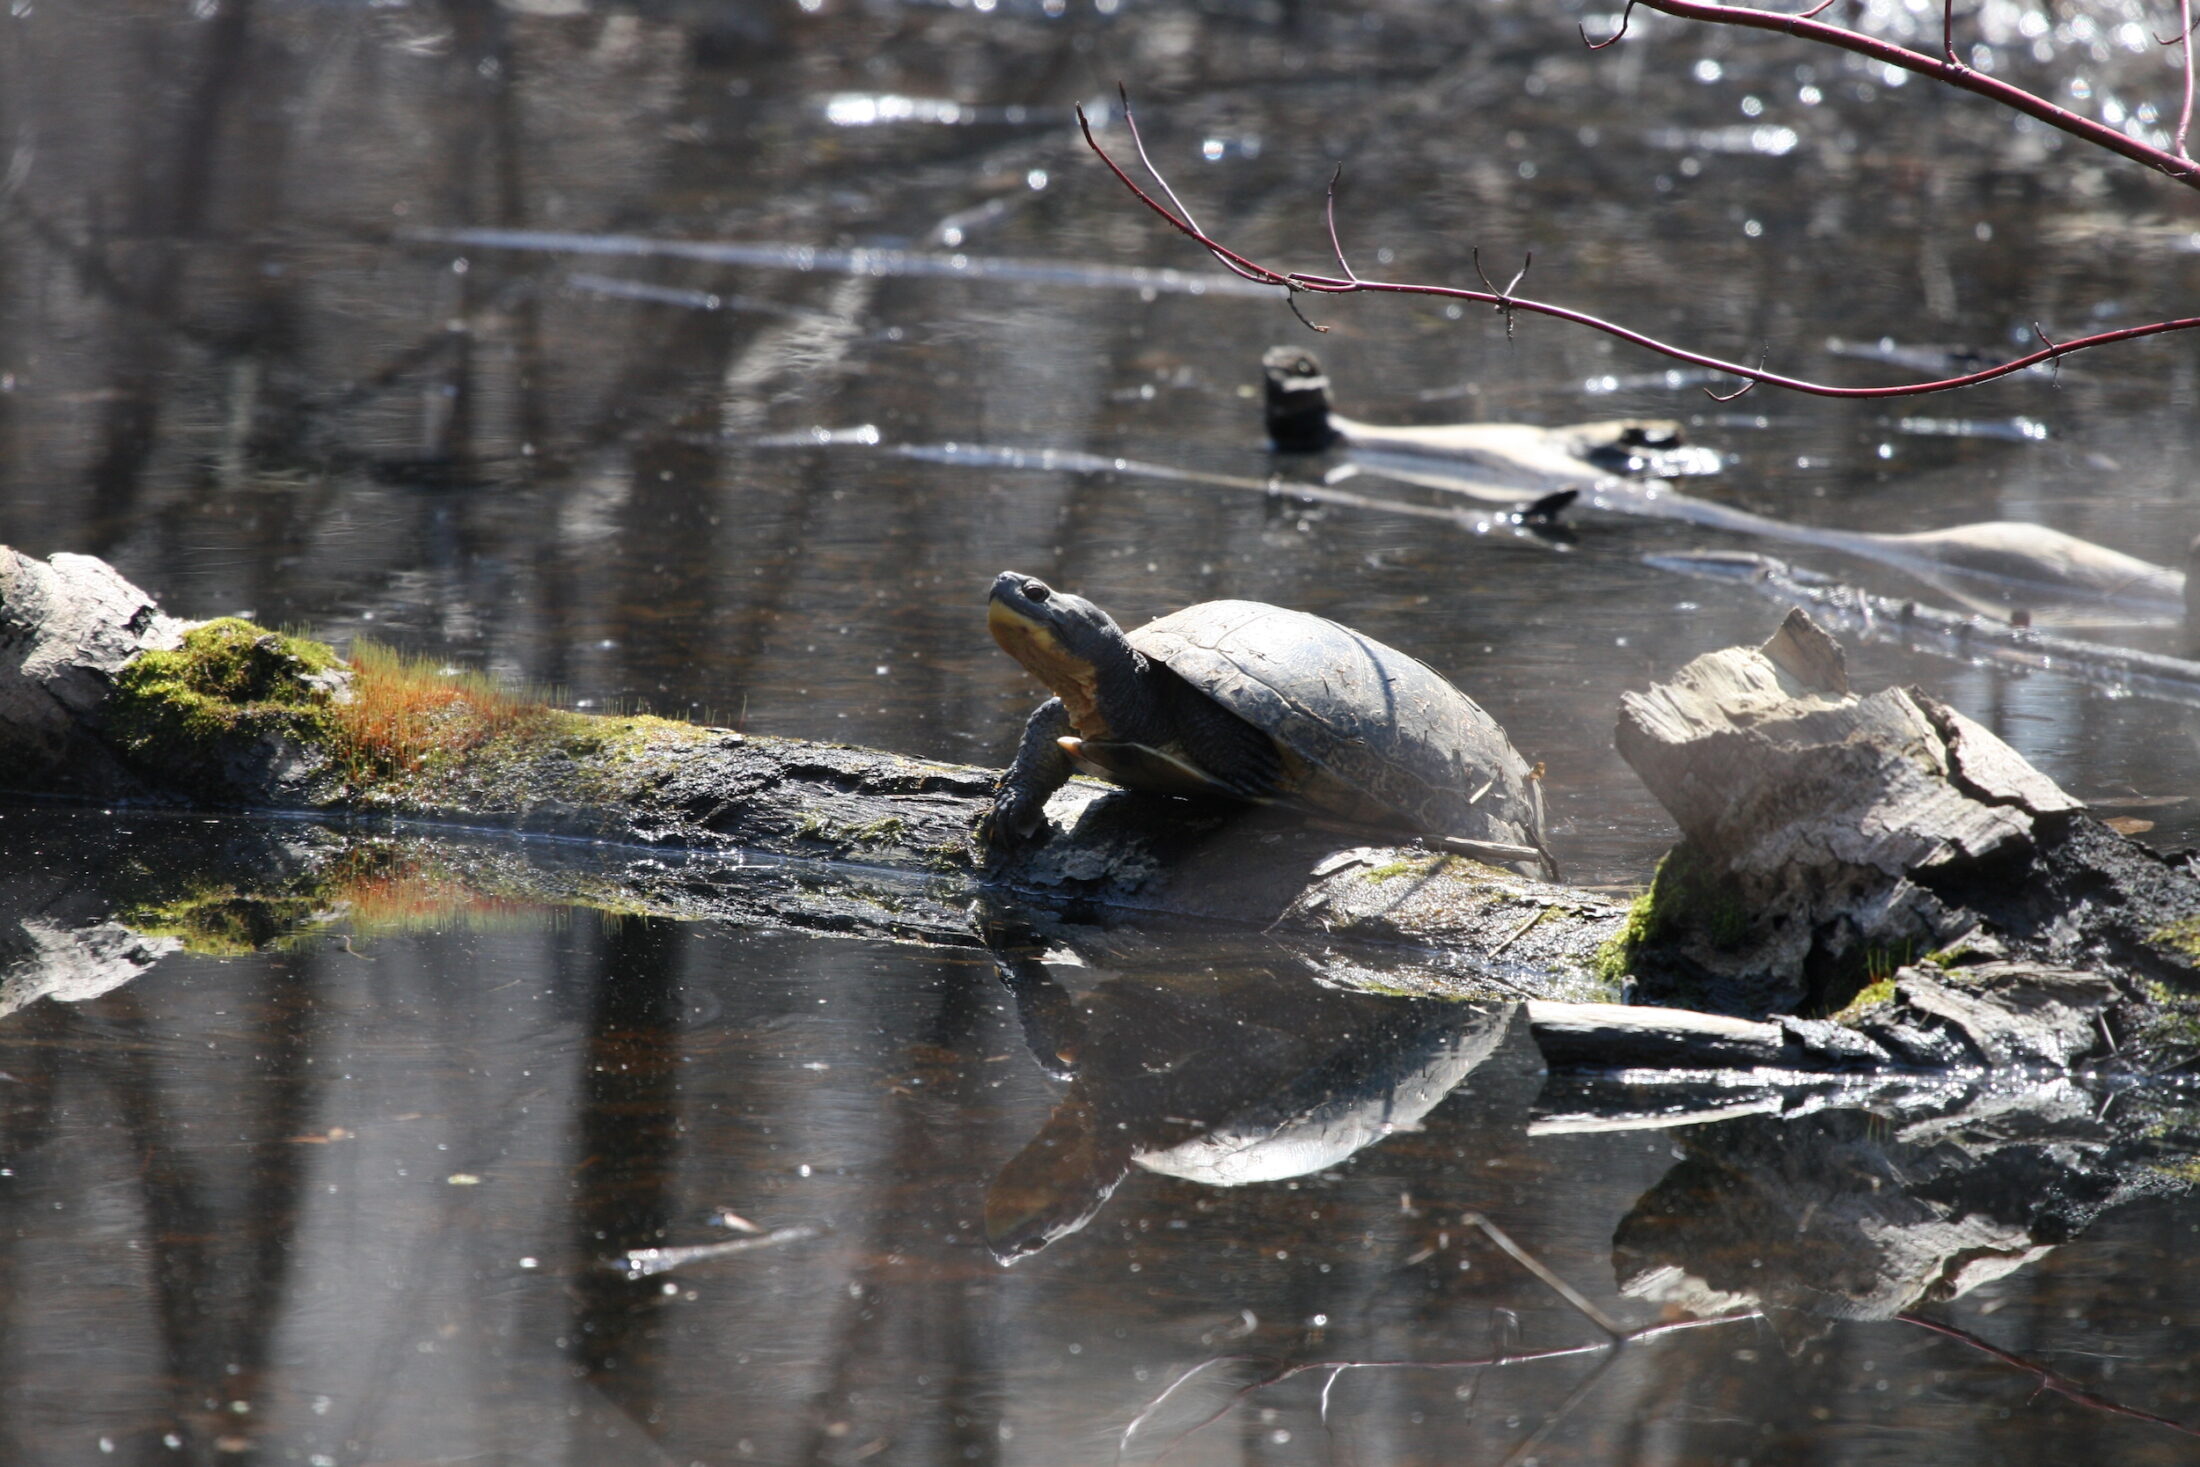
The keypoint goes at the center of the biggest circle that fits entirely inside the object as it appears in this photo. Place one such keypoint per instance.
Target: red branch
(1946, 69)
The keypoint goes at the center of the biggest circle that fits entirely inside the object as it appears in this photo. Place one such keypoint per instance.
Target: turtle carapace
(1252, 702)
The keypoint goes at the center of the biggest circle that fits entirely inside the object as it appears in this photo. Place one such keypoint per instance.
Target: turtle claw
(1012, 825)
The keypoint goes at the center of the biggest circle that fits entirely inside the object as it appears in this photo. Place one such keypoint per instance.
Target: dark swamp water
(349, 1190)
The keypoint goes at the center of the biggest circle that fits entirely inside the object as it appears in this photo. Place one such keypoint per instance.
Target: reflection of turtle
(1224, 1077)
(1254, 702)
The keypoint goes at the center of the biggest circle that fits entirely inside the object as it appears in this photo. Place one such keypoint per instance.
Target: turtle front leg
(1041, 768)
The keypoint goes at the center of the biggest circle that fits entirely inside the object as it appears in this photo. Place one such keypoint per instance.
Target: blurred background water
(250, 354)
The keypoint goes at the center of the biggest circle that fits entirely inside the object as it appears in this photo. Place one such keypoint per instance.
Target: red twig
(1330, 207)
(1955, 74)
(2049, 1380)
(2184, 115)
(1299, 280)
(1614, 38)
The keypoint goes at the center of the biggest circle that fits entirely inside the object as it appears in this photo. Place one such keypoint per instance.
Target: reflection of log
(1875, 1211)
(1829, 838)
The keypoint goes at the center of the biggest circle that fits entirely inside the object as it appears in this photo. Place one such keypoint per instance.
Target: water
(247, 357)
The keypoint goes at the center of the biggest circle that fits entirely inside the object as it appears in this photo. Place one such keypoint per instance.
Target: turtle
(1258, 703)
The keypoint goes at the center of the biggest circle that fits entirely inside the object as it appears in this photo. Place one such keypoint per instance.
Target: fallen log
(1830, 840)
(104, 697)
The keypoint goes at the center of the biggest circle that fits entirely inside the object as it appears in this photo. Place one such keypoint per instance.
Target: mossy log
(1829, 840)
(104, 697)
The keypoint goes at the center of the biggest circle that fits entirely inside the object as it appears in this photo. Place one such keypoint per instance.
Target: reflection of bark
(218, 1269)
(1849, 1215)
(26, 1126)
(628, 1147)
(168, 201)
(902, 1321)
(482, 185)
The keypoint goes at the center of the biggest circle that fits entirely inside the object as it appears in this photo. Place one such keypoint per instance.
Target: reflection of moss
(1687, 898)
(223, 922)
(373, 890)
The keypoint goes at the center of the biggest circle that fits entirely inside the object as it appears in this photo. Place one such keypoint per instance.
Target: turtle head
(1297, 401)
(1064, 641)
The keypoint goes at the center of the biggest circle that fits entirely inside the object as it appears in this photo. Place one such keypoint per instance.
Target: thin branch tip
(1614, 38)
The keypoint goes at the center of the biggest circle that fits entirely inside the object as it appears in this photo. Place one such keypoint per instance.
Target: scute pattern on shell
(1374, 725)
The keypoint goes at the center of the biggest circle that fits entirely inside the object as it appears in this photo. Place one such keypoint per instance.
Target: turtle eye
(1037, 591)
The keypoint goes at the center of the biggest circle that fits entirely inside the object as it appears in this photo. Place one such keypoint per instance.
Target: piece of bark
(67, 626)
(1827, 833)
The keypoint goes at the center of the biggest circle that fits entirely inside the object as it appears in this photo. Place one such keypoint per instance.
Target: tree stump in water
(1829, 839)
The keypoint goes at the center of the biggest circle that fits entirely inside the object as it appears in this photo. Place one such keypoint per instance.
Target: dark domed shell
(1378, 733)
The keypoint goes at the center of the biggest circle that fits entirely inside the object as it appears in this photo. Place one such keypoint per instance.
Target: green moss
(2180, 937)
(2186, 1170)
(1871, 995)
(1686, 899)
(884, 831)
(2172, 1020)
(1615, 958)
(950, 857)
(229, 681)
(1419, 867)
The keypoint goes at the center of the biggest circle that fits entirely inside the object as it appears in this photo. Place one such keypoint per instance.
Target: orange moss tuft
(405, 714)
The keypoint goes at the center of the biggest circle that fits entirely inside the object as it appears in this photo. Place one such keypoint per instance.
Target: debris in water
(642, 1263)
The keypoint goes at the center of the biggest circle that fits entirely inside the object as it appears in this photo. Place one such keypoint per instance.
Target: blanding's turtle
(1253, 702)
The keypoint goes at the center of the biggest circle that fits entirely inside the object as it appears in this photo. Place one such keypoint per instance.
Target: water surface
(350, 1198)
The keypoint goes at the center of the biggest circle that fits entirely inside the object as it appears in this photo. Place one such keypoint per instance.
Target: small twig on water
(642, 1263)
(2049, 1380)
(1507, 1353)
(1549, 1280)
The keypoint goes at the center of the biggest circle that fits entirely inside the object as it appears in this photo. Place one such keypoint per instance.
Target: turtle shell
(1367, 732)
